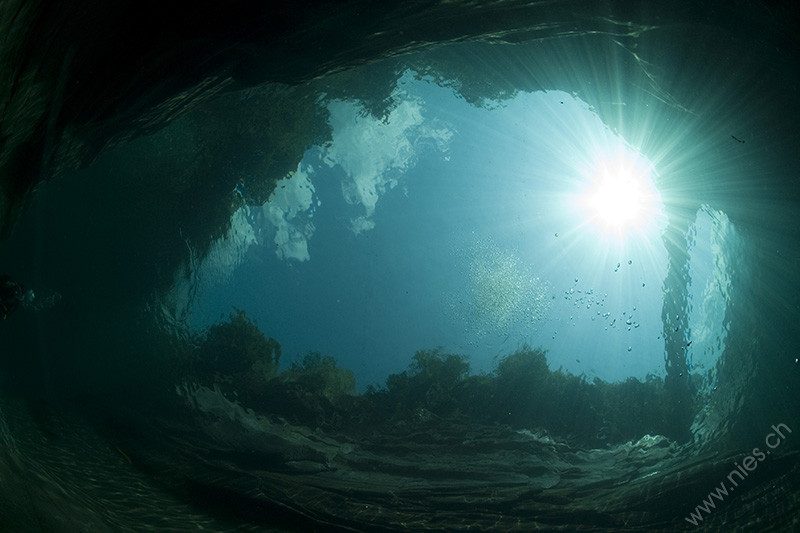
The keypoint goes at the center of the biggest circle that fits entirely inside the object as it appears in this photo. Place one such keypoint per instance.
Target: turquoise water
(523, 272)
(454, 226)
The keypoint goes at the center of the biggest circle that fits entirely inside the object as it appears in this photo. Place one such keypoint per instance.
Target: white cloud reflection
(289, 210)
(373, 153)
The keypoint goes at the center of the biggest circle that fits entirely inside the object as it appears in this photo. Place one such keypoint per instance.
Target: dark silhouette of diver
(12, 294)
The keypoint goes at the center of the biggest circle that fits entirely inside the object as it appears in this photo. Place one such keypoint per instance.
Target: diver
(12, 295)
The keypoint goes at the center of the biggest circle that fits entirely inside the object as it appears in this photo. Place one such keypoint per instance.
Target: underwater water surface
(446, 225)
(476, 287)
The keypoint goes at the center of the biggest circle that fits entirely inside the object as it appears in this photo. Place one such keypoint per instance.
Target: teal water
(476, 241)
(481, 313)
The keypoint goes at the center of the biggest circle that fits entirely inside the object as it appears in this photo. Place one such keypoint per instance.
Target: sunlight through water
(567, 254)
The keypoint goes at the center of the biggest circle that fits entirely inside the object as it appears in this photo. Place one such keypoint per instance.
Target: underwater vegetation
(521, 392)
(236, 351)
(319, 373)
(524, 393)
(313, 392)
(242, 362)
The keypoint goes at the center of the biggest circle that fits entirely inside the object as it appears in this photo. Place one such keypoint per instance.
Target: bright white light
(620, 194)
(618, 199)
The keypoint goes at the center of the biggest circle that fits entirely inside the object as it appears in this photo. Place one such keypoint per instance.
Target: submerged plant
(319, 374)
(238, 346)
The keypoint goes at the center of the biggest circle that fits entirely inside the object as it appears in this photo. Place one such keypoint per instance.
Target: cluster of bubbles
(503, 291)
(595, 302)
(584, 298)
(588, 299)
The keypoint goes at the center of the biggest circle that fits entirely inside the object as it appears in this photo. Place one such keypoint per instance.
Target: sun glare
(619, 196)
(618, 199)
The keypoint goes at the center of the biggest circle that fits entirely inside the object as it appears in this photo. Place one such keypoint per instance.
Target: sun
(618, 195)
(618, 199)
